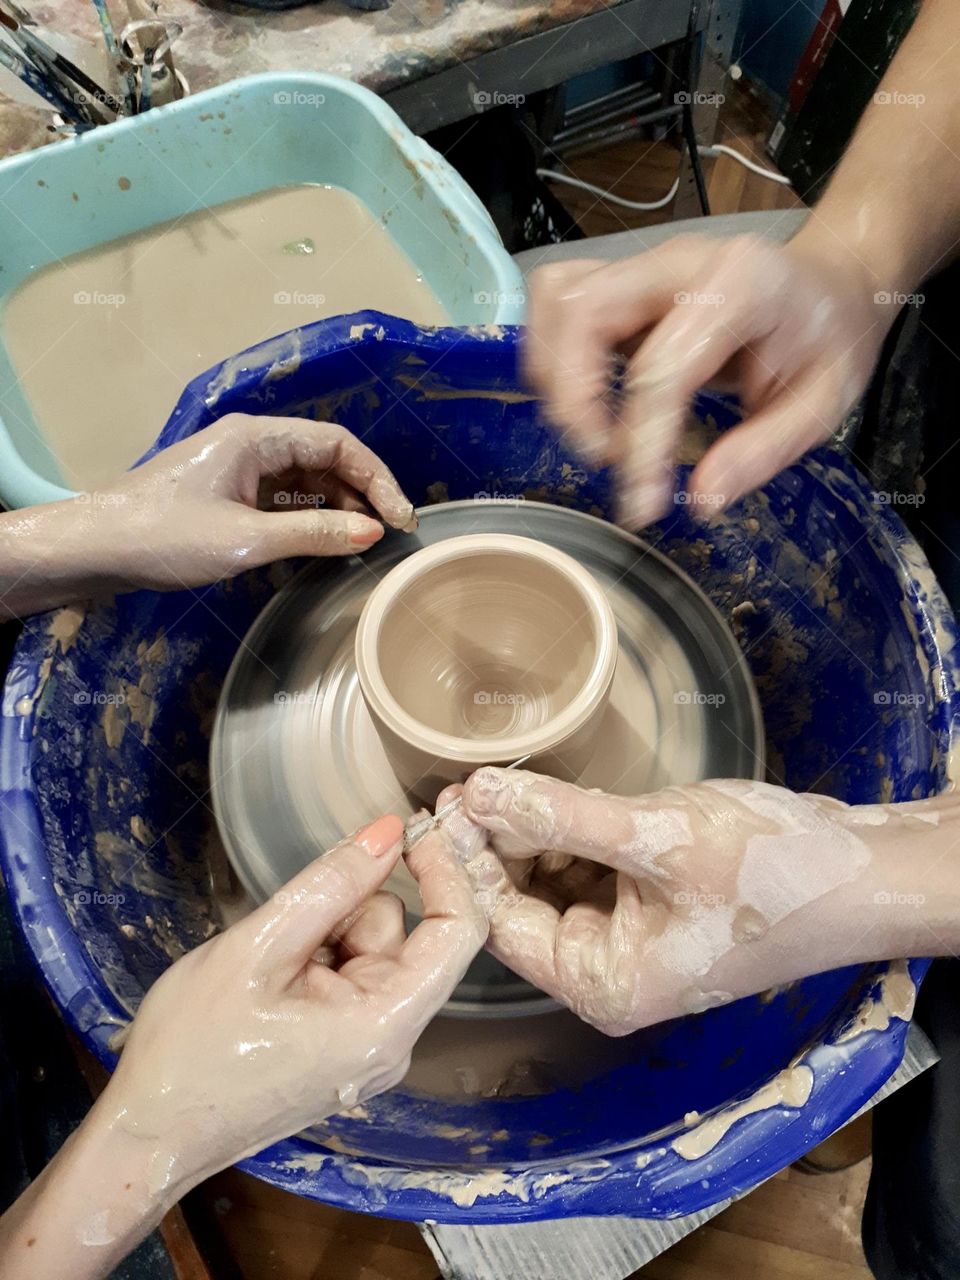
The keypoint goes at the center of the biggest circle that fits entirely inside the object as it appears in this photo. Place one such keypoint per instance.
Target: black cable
(693, 151)
(687, 80)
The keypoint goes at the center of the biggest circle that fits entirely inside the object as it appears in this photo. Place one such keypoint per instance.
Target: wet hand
(633, 911)
(242, 493)
(794, 330)
(306, 1007)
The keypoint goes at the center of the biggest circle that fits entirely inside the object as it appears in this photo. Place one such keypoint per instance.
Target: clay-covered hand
(195, 513)
(244, 492)
(794, 330)
(632, 911)
(307, 1006)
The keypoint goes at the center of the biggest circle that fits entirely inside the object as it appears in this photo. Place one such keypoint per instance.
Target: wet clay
(488, 647)
(791, 1088)
(104, 342)
(895, 998)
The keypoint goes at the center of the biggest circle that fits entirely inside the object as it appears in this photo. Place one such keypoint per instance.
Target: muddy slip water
(103, 343)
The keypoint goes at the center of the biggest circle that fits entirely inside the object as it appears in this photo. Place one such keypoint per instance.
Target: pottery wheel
(296, 763)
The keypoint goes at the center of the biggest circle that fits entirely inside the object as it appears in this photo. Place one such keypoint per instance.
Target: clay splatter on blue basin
(106, 824)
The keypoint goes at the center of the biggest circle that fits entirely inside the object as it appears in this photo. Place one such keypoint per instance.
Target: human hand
(192, 514)
(793, 329)
(307, 1006)
(633, 911)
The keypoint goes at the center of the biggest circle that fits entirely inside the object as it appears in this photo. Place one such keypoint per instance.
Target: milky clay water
(104, 342)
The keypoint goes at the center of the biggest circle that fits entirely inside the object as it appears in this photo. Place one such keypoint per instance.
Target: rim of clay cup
(479, 751)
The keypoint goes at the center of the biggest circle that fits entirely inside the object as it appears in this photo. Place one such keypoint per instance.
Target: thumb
(286, 931)
(466, 838)
(543, 814)
(281, 534)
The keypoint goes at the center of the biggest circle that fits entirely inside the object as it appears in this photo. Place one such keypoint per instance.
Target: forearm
(902, 900)
(56, 554)
(95, 1201)
(894, 202)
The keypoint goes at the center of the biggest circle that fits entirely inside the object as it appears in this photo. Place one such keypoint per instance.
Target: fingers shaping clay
(298, 760)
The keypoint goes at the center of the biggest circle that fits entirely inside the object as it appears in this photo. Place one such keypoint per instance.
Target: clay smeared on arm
(695, 896)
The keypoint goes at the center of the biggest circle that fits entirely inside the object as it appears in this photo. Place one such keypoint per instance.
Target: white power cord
(721, 149)
(606, 195)
(645, 207)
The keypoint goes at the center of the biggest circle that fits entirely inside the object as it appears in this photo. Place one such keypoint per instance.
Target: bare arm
(795, 330)
(668, 903)
(193, 514)
(894, 202)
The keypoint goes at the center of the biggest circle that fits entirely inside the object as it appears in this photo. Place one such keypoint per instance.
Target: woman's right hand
(795, 330)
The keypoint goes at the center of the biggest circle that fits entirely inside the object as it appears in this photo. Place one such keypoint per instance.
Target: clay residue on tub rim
(791, 1088)
(65, 626)
(282, 353)
(26, 703)
(461, 1187)
(437, 389)
(894, 998)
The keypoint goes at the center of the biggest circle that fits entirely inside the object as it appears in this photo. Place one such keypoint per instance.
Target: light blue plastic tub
(247, 136)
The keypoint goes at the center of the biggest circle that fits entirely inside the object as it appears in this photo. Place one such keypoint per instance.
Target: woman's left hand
(242, 493)
(307, 1006)
(247, 491)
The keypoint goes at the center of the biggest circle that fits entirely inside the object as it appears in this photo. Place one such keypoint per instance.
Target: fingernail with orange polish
(381, 837)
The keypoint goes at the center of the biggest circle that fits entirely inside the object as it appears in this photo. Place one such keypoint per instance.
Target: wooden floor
(795, 1227)
(644, 171)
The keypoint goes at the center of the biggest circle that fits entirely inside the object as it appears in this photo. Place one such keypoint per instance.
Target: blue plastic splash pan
(104, 821)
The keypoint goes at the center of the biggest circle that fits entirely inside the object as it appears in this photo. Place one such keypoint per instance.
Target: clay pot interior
(488, 649)
(485, 648)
